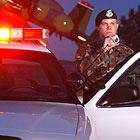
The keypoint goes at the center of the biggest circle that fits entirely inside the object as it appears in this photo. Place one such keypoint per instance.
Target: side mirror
(74, 81)
(122, 95)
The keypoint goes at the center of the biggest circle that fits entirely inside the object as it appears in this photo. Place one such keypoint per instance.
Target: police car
(37, 104)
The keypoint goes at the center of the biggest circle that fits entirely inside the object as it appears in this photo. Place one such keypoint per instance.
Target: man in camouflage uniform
(100, 57)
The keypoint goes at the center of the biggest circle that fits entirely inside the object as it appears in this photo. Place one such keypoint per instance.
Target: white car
(37, 104)
(35, 101)
(114, 112)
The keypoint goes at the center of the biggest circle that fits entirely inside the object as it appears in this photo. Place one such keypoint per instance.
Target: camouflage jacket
(94, 63)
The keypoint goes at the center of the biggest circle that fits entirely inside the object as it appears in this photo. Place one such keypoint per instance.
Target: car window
(132, 78)
(31, 75)
(23, 71)
(128, 83)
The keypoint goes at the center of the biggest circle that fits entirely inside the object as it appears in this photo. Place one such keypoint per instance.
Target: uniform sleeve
(81, 57)
(90, 63)
(106, 62)
(126, 50)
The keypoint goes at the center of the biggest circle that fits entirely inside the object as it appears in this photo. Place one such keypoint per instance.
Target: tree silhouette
(129, 30)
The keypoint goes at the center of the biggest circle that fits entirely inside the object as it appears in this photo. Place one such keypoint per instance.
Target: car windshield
(32, 75)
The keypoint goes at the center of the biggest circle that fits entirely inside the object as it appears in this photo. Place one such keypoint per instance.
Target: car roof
(27, 46)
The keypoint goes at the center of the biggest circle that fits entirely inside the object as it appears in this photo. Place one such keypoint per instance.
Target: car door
(117, 113)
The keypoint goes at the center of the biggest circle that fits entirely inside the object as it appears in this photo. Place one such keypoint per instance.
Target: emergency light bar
(23, 34)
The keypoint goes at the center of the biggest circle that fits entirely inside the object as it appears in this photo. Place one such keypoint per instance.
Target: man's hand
(109, 42)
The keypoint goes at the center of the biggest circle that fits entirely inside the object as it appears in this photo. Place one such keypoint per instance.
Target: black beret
(105, 14)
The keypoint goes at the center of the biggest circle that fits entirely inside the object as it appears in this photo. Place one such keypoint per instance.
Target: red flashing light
(23, 34)
(32, 33)
(86, 4)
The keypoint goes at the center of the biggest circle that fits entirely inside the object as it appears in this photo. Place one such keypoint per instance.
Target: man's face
(107, 27)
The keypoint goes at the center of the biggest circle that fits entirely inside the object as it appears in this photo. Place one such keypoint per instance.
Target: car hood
(37, 119)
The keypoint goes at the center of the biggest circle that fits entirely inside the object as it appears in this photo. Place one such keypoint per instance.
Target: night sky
(65, 49)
